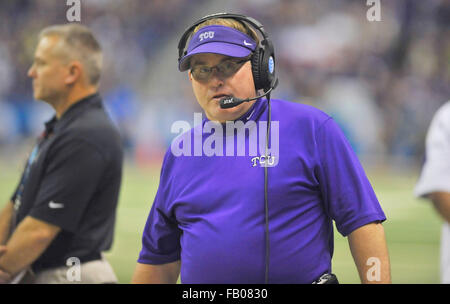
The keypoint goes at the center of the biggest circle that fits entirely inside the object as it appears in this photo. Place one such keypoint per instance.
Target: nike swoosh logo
(54, 205)
(246, 43)
(248, 117)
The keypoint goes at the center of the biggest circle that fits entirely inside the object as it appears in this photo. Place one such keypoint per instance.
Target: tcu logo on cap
(206, 35)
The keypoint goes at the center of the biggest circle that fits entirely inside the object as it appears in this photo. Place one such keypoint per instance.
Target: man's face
(209, 92)
(48, 71)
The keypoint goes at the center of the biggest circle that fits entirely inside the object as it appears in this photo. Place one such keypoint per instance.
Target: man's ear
(190, 75)
(75, 72)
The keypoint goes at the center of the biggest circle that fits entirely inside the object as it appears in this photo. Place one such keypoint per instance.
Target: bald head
(77, 42)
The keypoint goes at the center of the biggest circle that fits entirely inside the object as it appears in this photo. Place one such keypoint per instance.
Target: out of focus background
(382, 81)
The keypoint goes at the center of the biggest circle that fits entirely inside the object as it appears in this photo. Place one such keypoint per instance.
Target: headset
(263, 57)
(263, 70)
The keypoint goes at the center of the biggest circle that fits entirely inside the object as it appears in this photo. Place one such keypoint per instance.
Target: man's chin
(39, 97)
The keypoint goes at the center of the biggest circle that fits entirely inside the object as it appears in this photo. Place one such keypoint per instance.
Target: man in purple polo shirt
(226, 210)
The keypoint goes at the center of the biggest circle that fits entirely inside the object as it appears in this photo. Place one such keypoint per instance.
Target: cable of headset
(266, 198)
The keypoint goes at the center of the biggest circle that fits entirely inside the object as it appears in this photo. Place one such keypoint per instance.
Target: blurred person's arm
(156, 274)
(441, 201)
(434, 178)
(4, 276)
(369, 249)
(5, 222)
(27, 243)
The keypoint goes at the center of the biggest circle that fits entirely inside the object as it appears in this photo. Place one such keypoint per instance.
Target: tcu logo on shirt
(206, 35)
(264, 161)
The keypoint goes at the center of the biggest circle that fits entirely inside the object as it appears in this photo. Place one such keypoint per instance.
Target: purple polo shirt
(209, 210)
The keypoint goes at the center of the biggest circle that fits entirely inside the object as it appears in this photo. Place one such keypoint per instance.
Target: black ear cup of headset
(263, 57)
(263, 66)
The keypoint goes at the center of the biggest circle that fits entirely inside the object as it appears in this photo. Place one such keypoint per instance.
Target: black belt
(40, 266)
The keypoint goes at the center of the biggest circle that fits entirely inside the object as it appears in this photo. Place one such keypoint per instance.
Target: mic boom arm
(231, 101)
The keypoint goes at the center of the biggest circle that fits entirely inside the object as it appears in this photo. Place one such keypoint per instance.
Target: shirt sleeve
(14, 195)
(348, 196)
(75, 168)
(435, 175)
(161, 237)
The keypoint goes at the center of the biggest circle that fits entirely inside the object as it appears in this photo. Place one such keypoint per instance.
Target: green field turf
(412, 228)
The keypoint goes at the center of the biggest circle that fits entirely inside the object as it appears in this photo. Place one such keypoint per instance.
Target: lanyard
(25, 175)
(18, 199)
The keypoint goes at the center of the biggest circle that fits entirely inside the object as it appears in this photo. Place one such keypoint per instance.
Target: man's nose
(31, 72)
(217, 77)
(216, 81)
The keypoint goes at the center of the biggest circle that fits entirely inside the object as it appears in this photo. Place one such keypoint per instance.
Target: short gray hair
(79, 43)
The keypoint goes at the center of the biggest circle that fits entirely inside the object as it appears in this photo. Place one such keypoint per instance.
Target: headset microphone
(231, 101)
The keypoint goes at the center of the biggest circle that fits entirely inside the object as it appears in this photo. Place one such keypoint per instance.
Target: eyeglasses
(224, 69)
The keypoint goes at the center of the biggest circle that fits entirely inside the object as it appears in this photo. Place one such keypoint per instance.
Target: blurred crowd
(130, 32)
(381, 80)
